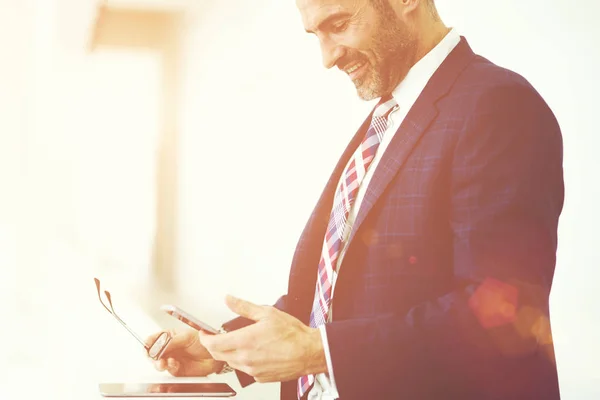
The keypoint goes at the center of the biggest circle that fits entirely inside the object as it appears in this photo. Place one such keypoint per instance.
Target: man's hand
(277, 348)
(185, 356)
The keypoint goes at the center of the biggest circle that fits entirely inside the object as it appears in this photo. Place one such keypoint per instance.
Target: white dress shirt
(405, 94)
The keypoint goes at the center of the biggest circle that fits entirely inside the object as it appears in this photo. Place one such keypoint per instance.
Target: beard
(393, 51)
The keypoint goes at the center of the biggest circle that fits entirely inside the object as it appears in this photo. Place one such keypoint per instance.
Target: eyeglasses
(157, 348)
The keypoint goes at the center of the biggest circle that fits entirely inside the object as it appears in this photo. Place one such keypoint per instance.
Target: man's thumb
(244, 308)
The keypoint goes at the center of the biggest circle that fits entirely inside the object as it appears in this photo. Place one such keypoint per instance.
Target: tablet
(167, 389)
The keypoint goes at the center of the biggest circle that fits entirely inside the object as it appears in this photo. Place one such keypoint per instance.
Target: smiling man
(369, 41)
(425, 269)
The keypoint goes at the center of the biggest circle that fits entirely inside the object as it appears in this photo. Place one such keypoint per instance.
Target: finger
(268, 379)
(245, 308)
(264, 379)
(160, 365)
(180, 341)
(173, 366)
(223, 342)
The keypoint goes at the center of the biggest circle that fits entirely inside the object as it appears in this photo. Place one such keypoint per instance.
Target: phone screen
(184, 389)
(189, 319)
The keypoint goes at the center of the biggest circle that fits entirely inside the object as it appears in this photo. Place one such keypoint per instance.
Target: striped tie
(336, 230)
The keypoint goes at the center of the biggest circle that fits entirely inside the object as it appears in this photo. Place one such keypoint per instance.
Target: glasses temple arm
(139, 339)
(99, 296)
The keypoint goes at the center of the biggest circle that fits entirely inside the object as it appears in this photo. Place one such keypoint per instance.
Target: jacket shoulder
(484, 84)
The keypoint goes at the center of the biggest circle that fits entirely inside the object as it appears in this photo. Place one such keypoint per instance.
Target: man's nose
(331, 53)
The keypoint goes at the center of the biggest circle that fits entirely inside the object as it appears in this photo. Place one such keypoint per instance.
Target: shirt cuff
(328, 359)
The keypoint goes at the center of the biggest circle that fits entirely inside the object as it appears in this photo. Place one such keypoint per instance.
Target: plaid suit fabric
(469, 187)
(336, 233)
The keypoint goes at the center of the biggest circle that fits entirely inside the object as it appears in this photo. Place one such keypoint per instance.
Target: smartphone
(188, 319)
(183, 389)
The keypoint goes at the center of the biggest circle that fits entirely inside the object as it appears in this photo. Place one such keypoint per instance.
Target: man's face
(371, 44)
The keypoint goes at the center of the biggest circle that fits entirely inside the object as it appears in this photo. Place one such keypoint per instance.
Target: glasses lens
(159, 345)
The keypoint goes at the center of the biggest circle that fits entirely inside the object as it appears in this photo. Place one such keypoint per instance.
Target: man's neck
(435, 34)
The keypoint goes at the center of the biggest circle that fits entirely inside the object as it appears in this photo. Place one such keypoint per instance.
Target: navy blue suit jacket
(443, 292)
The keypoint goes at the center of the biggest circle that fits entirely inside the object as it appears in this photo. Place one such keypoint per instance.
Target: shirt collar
(415, 81)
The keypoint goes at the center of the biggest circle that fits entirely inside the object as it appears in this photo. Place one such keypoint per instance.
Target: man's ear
(404, 8)
(411, 5)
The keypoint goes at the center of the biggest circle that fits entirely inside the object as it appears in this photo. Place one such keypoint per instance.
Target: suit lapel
(308, 252)
(306, 257)
(412, 128)
(323, 208)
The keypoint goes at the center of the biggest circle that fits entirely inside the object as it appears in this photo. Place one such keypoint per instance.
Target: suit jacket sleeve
(506, 198)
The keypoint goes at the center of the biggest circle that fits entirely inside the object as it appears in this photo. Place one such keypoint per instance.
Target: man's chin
(368, 88)
(367, 93)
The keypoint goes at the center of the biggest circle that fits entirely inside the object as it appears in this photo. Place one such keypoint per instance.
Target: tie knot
(384, 106)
